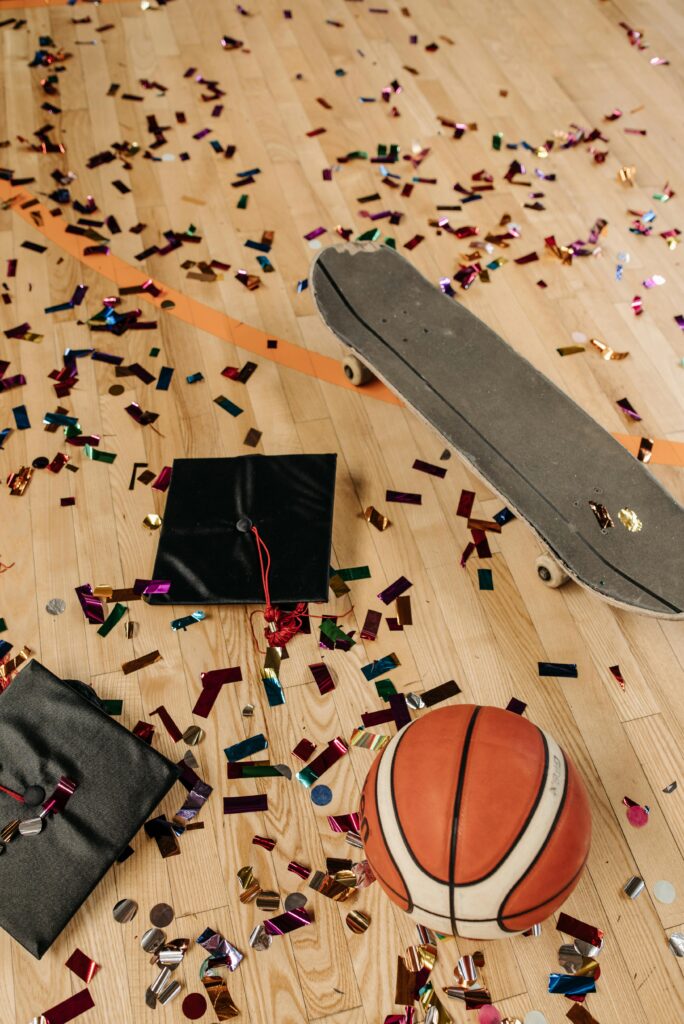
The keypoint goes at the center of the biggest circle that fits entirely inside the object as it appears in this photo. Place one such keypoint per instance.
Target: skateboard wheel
(550, 572)
(355, 371)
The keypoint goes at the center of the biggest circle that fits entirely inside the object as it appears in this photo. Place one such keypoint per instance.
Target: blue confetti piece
(485, 580)
(229, 406)
(321, 795)
(379, 667)
(194, 378)
(165, 376)
(274, 691)
(188, 620)
(21, 417)
(252, 745)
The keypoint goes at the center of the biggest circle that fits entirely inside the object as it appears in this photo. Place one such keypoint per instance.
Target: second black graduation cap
(207, 550)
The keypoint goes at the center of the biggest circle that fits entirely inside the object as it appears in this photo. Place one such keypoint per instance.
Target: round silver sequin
(125, 910)
(153, 939)
(295, 900)
(162, 915)
(55, 606)
(31, 827)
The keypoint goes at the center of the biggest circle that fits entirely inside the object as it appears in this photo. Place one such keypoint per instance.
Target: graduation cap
(75, 787)
(207, 548)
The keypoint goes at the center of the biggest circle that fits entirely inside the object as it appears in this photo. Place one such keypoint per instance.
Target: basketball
(475, 822)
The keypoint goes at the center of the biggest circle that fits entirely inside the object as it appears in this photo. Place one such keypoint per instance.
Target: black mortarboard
(207, 550)
(50, 731)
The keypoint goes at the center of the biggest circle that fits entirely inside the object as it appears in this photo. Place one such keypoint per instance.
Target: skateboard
(604, 520)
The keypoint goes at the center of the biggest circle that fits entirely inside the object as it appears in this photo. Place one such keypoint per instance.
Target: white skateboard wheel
(355, 371)
(550, 572)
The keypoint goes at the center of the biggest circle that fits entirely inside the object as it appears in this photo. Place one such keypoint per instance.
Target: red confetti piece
(82, 966)
(72, 1007)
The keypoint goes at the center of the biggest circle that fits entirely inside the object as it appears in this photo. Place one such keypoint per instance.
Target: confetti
(615, 669)
(630, 520)
(82, 966)
(560, 670)
(138, 663)
(376, 519)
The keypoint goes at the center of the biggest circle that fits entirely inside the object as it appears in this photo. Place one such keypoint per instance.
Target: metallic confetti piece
(393, 591)
(299, 869)
(267, 900)
(267, 844)
(603, 516)
(245, 804)
(676, 943)
(645, 449)
(335, 749)
(153, 940)
(91, 605)
(124, 911)
(115, 616)
(164, 835)
(371, 625)
(326, 885)
(31, 827)
(664, 892)
(229, 406)
(260, 938)
(194, 1006)
(570, 350)
(162, 914)
(628, 409)
(670, 788)
(159, 983)
(344, 822)
(138, 663)
(82, 966)
(295, 901)
(322, 677)
(251, 745)
(556, 668)
(380, 666)
(321, 795)
(193, 735)
(630, 520)
(220, 947)
(368, 740)
(72, 1007)
(615, 669)
(169, 993)
(338, 586)
(152, 521)
(606, 351)
(304, 749)
(579, 930)
(485, 579)
(188, 620)
(376, 519)
(570, 985)
(171, 727)
(55, 606)
(357, 921)
(633, 887)
(404, 497)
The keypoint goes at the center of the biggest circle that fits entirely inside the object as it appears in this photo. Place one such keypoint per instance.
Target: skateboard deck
(545, 456)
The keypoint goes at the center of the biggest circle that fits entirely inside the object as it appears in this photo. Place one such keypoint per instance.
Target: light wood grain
(527, 69)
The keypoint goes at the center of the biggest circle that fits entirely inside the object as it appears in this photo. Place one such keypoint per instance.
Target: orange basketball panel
(505, 772)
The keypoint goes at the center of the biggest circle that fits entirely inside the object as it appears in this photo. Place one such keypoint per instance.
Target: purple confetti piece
(404, 497)
(91, 605)
(287, 922)
(427, 467)
(245, 804)
(392, 592)
(152, 586)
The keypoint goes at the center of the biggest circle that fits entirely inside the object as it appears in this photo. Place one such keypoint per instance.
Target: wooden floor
(529, 69)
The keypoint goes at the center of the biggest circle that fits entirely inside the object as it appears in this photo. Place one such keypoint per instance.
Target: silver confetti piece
(633, 887)
(569, 959)
(670, 788)
(160, 981)
(415, 701)
(260, 938)
(295, 900)
(125, 910)
(31, 827)
(169, 993)
(676, 943)
(55, 606)
(193, 735)
(153, 940)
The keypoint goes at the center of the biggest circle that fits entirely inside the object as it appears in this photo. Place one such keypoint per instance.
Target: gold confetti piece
(375, 518)
(327, 886)
(137, 663)
(103, 592)
(9, 831)
(570, 350)
(8, 668)
(418, 957)
(404, 614)
(630, 520)
(250, 894)
(346, 878)
(219, 997)
(606, 351)
(246, 877)
(357, 921)
(268, 900)
(627, 175)
(434, 1011)
(338, 586)
(603, 516)
(152, 521)
(368, 740)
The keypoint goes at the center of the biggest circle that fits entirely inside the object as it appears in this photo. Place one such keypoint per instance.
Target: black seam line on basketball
(547, 840)
(455, 817)
(385, 844)
(588, 544)
(523, 829)
(423, 870)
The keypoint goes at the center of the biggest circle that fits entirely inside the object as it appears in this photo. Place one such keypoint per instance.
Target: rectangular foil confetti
(335, 750)
(245, 804)
(559, 669)
(439, 693)
(465, 504)
(393, 591)
(304, 749)
(138, 663)
(371, 625)
(82, 966)
(428, 467)
(579, 930)
(251, 745)
(72, 1007)
(264, 842)
(404, 497)
(324, 680)
(379, 667)
(290, 921)
(368, 740)
(344, 822)
(580, 1015)
(375, 518)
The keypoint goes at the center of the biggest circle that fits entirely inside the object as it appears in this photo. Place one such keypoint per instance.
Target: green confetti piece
(369, 236)
(154, 352)
(113, 707)
(242, 202)
(229, 406)
(3, 626)
(307, 777)
(73, 430)
(661, 197)
(358, 572)
(391, 243)
(385, 688)
(497, 139)
(484, 578)
(333, 632)
(97, 455)
(116, 614)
